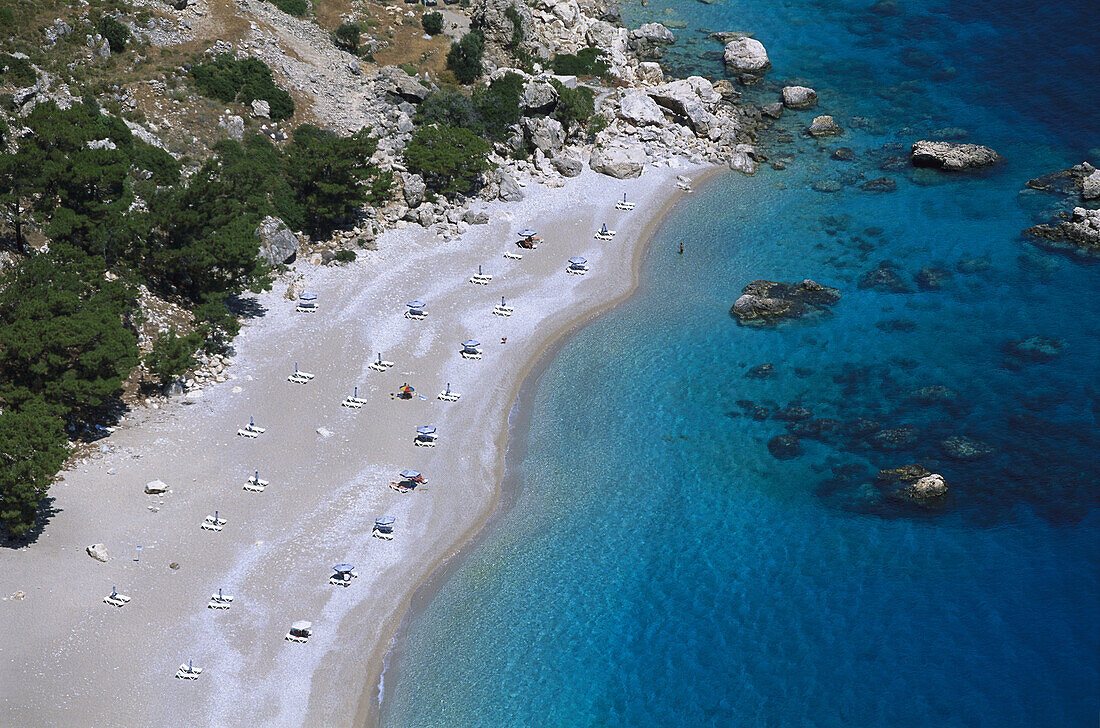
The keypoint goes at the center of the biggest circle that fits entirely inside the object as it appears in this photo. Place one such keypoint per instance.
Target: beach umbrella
(301, 625)
(406, 389)
(379, 357)
(343, 568)
(416, 305)
(527, 233)
(384, 521)
(604, 229)
(425, 430)
(479, 270)
(578, 260)
(624, 197)
(410, 474)
(307, 296)
(355, 392)
(471, 344)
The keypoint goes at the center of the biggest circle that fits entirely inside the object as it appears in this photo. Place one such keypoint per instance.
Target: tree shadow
(46, 511)
(245, 307)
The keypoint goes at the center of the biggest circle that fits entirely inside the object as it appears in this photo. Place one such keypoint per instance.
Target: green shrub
(172, 356)
(575, 105)
(32, 448)
(115, 32)
(464, 58)
(7, 17)
(450, 159)
(432, 23)
(499, 105)
(345, 256)
(409, 69)
(16, 71)
(346, 36)
(588, 62)
(292, 7)
(227, 79)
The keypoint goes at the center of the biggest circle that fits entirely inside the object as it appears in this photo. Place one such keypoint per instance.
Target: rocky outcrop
(743, 159)
(539, 96)
(618, 161)
(654, 33)
(764, 302)
(895, 438)
(509, 189)
(1081, 179)
(400, 86)
(1037, 348)
(1077, 232)
(413, 188)
(544, 133)
(823, 126)
(932, 278)
(691, 99)
(746, 55)
(952, 156)
(278, 245)
(567, 166)
(799, 97)
(640, 109)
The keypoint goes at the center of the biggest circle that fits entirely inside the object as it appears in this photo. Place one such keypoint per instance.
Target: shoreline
(509, 487)
(82, 661)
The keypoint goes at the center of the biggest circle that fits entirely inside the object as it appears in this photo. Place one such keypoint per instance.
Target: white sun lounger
(381, 366)
(335, 579)
(299, 377)
(685, 186)
(247, 433)
(255, 485)
(577, 270)
(469, 355)
(219, 601)
(449, 396)
(385, 536)
(116, 600)
(186, 672)
(353, 402)
(305, 309)
(510, 255)
(299, 634)
(416, 316)
(503, 310)
(424, 443)
(601, 235)
(624, 205)
(213, 523)
(480, 279)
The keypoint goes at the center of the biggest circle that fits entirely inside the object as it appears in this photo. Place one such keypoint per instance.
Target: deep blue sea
(661, 567)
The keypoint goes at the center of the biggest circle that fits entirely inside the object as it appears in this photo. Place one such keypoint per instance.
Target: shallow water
(660, 566)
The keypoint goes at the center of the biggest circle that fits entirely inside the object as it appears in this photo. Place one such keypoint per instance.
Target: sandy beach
(72, 660)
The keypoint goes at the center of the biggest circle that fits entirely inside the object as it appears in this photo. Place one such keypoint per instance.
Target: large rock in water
(951, 155)
(278, 245)
(1078, 233)
(824, 125)
(799, 97)
(639, 109)
(618, 162)
(764, 302)
(746, 55)
(930, 486)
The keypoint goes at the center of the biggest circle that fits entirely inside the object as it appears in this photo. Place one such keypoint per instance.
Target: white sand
(69, 659)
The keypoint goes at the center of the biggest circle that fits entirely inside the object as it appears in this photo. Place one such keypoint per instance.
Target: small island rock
(799, 97)
(823, 126)
(951, 155)
(746, 55)
(768, 301)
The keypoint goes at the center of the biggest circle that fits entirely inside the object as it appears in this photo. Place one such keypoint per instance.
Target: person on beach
(504, 339)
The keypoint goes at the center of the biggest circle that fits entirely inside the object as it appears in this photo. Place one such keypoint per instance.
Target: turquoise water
(661, 567)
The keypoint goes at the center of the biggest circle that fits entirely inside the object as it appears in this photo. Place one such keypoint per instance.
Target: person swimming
(681, 248)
